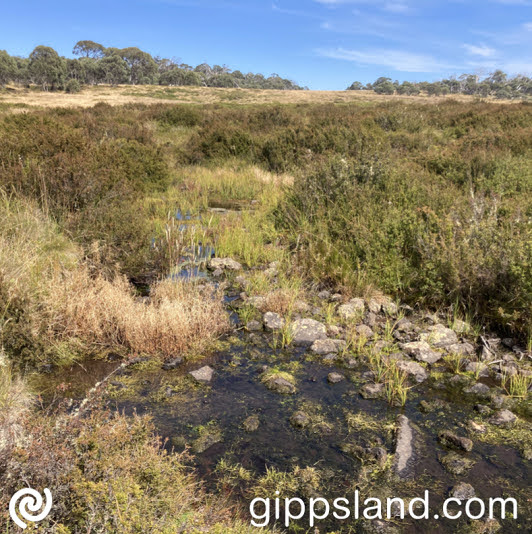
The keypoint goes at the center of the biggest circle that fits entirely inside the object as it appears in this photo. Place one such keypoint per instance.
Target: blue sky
(324, 44)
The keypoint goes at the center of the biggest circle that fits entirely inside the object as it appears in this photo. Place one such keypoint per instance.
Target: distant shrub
(72, 86)
(181, 116)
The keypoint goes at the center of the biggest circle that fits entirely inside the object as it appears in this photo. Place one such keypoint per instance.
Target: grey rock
(334, 378)
(372, 391)
(370, 319)
(478, 367)
(404, 448)
(256, 301)
(204, 374)
(330, 358)
(280, 385)
(479, 389)
(300, 306)
(463, 491)
(364, 331)
(439, 336)
(307, 331)
(206, 441)
(478, 428)
(374, 306)
(337, 297)
(503, 418)
(300, 419)
(352, 310)
(404, 325)
(224, 264)
(324, 295)
(464, 349)
(457, 464)
(273, 321)
(421, 351)
(174, 363)
(254, 326)
(378, 454)
(217, 273)
(328, 346)
(449, 439)
(417, 371)
(251, 423)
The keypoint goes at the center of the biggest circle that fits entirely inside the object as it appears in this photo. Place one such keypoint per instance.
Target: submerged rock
(203, 375)
(463, 491)
(224, 264)
(404, 448)
(280, 383)
(273, 321)
(328, 346)
(300, 419)
(206, 441)
(251, 423)
(372, 391)
(174, 363)
(335, 378)
(307, 331)
(421, 351)
(449, 439)
(254, 326)
(457, 464)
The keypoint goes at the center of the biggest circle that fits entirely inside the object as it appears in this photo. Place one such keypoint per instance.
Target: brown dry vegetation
(127, 94)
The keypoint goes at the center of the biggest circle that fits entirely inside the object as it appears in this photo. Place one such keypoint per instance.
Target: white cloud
(396, 7)
(482, 50)
(528, 26)
(395, 59)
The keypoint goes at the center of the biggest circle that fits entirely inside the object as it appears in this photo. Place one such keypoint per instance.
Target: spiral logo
(30, 501)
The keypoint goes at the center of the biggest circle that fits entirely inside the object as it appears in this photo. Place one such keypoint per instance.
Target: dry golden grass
(127, 94)
(179, 317)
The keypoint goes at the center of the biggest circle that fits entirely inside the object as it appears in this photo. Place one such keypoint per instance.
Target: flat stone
(174, 363)
(417, 371)
(364, 331)
(280, 385)
(464, 349)
(251, 423)
(449, 439)
(457, 464)
(300, 419)
(479, 389)
(334, 378)
(328, 346)
(372, 391)
(324, 295)
(352, 310)
(307, 331)
(463, 491)
(421, 351)
(404, 448)
(204, 374)
(439, 336)
(478, 368)
(224, 264)
(273, 321)
(254, 326)
(374, 306)
(503, 418)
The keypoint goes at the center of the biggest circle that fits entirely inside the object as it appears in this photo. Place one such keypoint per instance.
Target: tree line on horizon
(497, 84)
(96, 64)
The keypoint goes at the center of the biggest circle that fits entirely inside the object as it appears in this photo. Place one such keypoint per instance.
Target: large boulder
(421, 351)
(224, 264)
(328, 346)
(273, 321)
(439, 336)
(307, 331)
